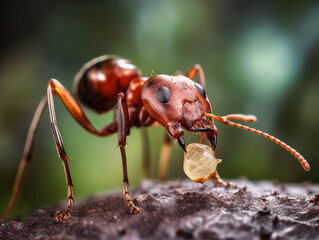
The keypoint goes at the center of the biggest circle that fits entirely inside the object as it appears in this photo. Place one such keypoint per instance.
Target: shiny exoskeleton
(174, 101)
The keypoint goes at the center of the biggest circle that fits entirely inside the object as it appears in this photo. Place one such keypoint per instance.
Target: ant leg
(54, 87)
(197, 69)
(26, 157)
(217, 179)
(123, 131)
(62, 154)
(146, 153)
(164, 157)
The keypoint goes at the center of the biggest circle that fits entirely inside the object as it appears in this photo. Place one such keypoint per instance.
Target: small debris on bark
(315, 199)
(183, 209)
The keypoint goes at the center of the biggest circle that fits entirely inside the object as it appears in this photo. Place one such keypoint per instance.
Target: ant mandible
(175, 102)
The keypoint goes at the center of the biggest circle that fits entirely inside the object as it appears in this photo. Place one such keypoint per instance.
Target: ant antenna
(251, 118)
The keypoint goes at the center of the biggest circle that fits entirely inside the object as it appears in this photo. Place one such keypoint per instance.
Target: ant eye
(200, 89)
(163, 94)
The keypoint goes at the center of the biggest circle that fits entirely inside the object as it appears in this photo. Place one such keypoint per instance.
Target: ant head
(178, 103)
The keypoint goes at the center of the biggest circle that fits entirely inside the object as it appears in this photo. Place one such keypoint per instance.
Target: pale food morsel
(200, 162)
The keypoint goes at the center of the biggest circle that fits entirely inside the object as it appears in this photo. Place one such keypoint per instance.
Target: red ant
(176, 102)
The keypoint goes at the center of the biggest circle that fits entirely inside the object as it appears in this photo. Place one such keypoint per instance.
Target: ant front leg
(217, 179)
(123, 132)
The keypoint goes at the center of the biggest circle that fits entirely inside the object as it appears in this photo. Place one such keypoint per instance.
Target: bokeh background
(259, 57)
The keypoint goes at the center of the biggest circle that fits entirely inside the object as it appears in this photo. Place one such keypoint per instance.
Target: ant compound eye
(200, 89)
(163, 94)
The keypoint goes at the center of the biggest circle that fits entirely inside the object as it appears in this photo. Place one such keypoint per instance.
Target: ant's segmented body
(175, 102)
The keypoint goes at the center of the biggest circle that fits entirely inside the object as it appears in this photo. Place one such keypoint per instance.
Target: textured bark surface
(184, 210)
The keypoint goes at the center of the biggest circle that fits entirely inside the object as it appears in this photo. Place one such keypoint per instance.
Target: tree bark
(183, 209)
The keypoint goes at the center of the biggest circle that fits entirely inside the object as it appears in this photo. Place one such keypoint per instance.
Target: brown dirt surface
(183, 209)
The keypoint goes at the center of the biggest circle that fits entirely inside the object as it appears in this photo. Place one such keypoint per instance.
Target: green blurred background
(259, 57)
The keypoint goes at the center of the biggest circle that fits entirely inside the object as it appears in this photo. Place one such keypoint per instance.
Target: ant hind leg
(61, 151)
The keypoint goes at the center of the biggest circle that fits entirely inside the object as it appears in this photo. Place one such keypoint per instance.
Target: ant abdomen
(102, 79)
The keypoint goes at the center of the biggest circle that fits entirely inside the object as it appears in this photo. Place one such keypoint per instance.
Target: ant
(174, 101)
